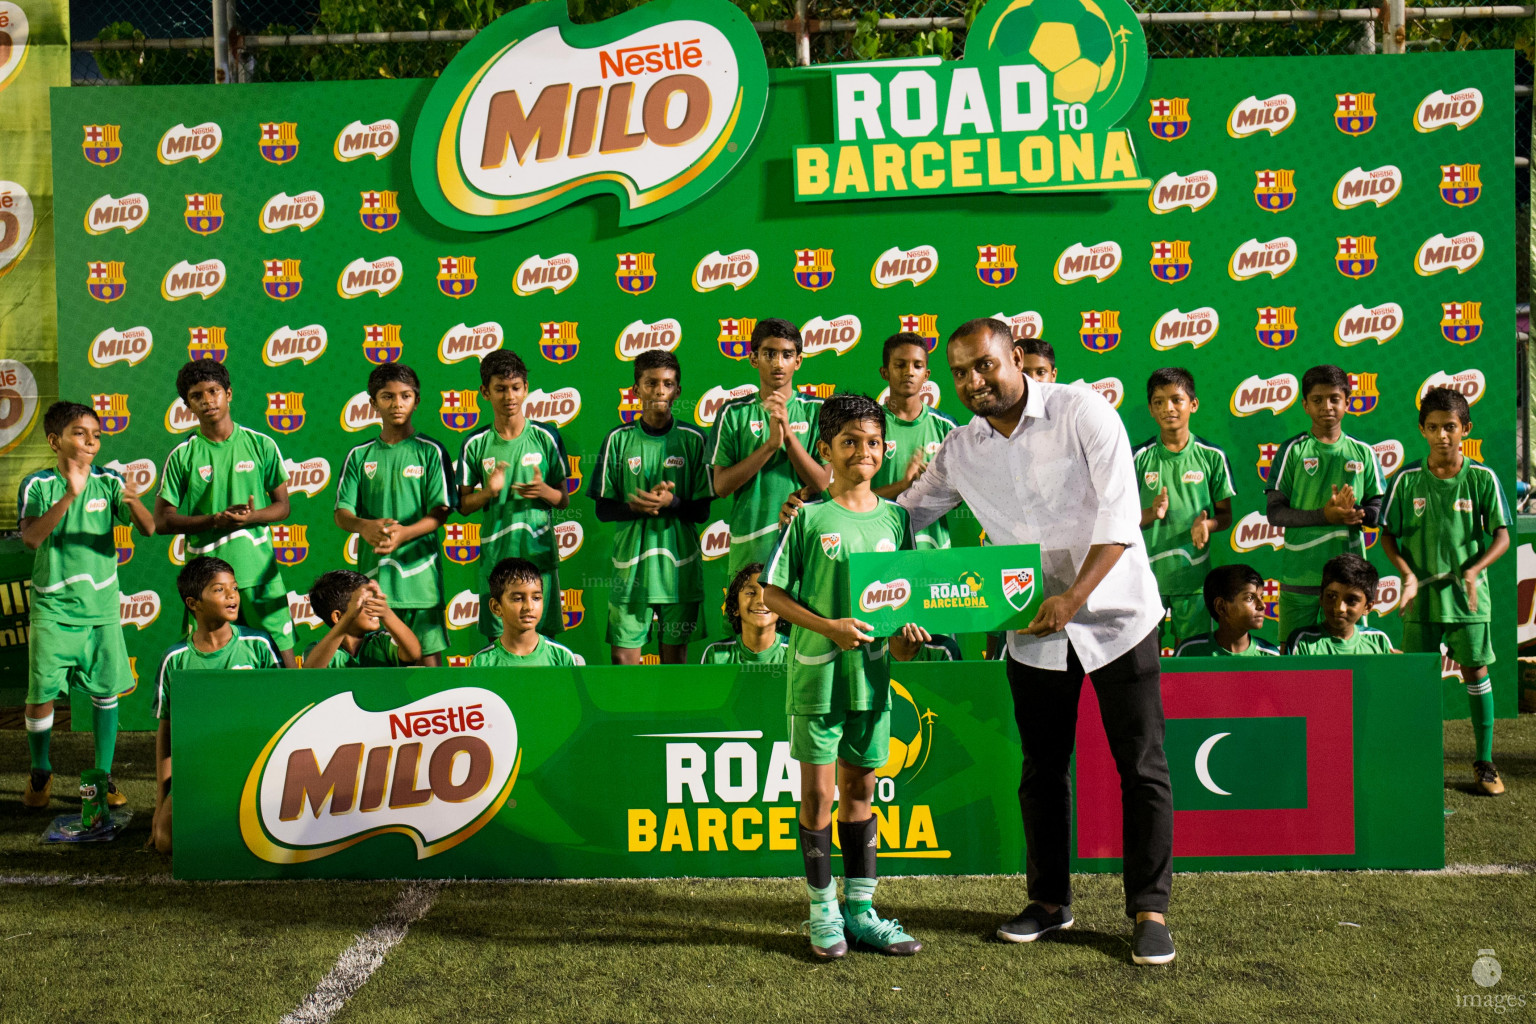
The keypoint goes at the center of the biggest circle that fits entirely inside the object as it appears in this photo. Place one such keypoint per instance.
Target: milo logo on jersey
(105, 281)
(204, 213)
(1440, 109)
(207, 343)
(1471, 384)
(1354, 113)
(380, 210)
(320, 784)
(1174, 190)
(109, 212)
(1101, 329)
(557, 273)
(1441, 253)
(1460, 184)
(456, 276)
(1170, 262)
(1363, 396)
(290, 543)
(111, 412)
(1275, 190)
(572, 608)
(113, 346)
(736, 336)
(996, 264)
(279, 141)
(1461, 322)
(285, 411)
(382, 344)
(1080, 262)
(1169, 118)
(460, 410)
(1359, 324)
(461, 542)
(1276, 326)
(103, 144)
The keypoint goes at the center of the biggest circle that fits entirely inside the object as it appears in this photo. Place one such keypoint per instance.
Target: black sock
(859, 862)
(816, 850)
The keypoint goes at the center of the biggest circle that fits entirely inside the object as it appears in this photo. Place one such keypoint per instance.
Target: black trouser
(1131, 705)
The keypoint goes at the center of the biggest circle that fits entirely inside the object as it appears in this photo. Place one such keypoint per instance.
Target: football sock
(816, 850)
(39, 732)
(859, 849)
(104, 727)
(1480, 698)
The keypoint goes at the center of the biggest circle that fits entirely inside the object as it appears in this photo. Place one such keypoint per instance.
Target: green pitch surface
(102, 933)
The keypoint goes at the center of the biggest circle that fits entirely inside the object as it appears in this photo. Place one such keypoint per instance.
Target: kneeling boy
(1234, 597)
(1349, 590)
(365, 631)
(517, 600)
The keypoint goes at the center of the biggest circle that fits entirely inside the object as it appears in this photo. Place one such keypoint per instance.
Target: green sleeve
(812, 432)
(698, 470)
(346, 487)
(607, 487)
(907, 542)
(1391, 513)
(379, 649)
(173, 476)
(273, 475)
(119, 499)
(784, 565)
(1283, 472)
(1219, 477)
(1374, 487)
(469, 466)
(482, 659)
(563, 657)
(558, 467)
(266, 656)
(438, 483)
(723, 441)
(1495, 509)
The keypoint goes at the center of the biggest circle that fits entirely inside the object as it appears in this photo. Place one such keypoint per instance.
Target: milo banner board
(959, 590)
(605, 772)
(584, 194)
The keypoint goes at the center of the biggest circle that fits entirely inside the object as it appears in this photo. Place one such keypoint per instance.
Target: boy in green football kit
(839, 676)
(513, 474)
(1325, 488)
(1446, 521)
(67, 514)
(1349, 590)
(394, 493)
(913, 430)
(758, 640)
(207, 589)
(652, 481)
(223, 487)
(516, 590)
(364, 632)
(1234, 597)
(1186, 495)
(761, 446)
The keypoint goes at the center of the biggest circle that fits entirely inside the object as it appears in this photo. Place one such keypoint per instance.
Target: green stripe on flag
(1238, 763)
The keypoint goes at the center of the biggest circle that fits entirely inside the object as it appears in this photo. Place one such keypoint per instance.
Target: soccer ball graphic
(1071, 39)
(908, 726)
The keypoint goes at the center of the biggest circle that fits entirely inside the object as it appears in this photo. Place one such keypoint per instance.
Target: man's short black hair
(509, 571)
(896, 341)
(658, 359)
(392, 373)
(197, 574)
(842, 409)
(61, 414)
(1445, 400)
(1326, 375)
(748, 574)
(1227, 581)
(1038, 347)
(332, 592)
(984, 325)
(502, 363)
(199, 370)
(1352, 571)
(776, 327)
(1171, 376)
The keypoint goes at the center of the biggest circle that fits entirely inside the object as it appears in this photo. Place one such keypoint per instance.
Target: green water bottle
(93, 798)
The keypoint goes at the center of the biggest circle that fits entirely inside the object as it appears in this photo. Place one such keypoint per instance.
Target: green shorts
(91, 658)
(265, 606)
(859, 738)
(427, 624)
(1184, 618)
(551, 624)
(1469, 642)
(629, 624)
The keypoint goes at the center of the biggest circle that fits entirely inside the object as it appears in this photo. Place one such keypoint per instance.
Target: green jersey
(513, 526)
(546, 653)
(247, 649)
(656, 559)
(740, 429)
(74, 572)
(811, 564)
(1196, 478)
(1441, 527)
(402, 481)
(734, 652)
(203, 478)
(1306, 471)
(940, 648)
(377, 650)
(1315, 640)
(904, 437)
(1205, 646)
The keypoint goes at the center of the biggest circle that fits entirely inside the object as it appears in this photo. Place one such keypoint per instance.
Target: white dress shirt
(1064, 480)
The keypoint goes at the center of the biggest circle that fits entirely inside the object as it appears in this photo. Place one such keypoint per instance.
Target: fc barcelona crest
(924, 325)
(813, 268)
(456, 276)
(382, 344)
(1363, 395)
(557, 340)
(571, 609)
(1271, 593)
(105, 280)
(1276, 327)
(206, 343)
(736, 336)
(122, 540)
(1472, 448)
(285, 411)
(290, 545)
(1355, 113)
(1275, 190)
(1169, 119)
(574, 477)
(1356, 257)
(1170, 261)
(1101, 329)
(205, 212)
(636, 273)
(1267, 452)
(380, 211)
(461, 542)
(279, 141)
(1460, 184)
(102, 145)
(995, 264)
(281, 279)
(111, 412)
(1461, 322)
(629, 405)
(460, 410)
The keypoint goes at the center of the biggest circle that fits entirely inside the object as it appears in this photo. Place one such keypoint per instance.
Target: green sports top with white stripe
(903, 437)
(1442, 526)
(1205, 646)
(512, 526)
(1315, 640)
(374, 650)
(655, 558)
(734, 652)
(740, 429)
(74, 572)
(546, 653)
(247, 649)
(1197, 478)
(203, 478)
(402, 481)
(1306, 470)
